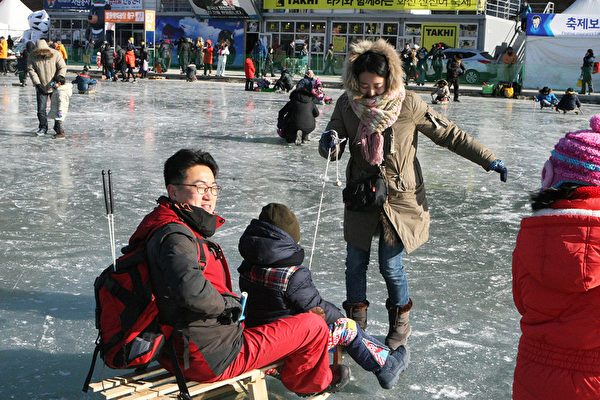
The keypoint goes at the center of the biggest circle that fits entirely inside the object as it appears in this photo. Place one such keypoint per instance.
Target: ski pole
(108, 203)
(243, 299)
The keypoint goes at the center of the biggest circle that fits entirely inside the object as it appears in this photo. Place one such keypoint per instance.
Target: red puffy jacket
(556, 279)
(249, 68)
(130, 58)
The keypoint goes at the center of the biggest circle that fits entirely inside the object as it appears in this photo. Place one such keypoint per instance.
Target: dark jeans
(107, 69)
(42, 102)
(249, 84)
(207, 67)
(328, 67)
(454, 83)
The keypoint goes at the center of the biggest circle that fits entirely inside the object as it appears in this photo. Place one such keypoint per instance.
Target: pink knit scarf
(376, 114)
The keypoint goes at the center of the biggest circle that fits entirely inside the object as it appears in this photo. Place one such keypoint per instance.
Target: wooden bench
(157, 383)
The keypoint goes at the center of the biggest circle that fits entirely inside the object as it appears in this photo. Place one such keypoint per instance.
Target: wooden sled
(157, 383)
(155, 77)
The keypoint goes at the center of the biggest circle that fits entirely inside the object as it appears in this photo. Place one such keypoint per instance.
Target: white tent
(589, 7)
(13, 18)
(556, 61)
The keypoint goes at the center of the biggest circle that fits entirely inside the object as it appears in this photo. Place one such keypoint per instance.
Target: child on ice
(278, 286)
(556, 276)
(285, 83)
(546, 98)
(59, 105)
(85, 83)
(249, 71)
(569, 102)
(296, 120)
(441, 93)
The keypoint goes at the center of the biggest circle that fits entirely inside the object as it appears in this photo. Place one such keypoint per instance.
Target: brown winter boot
(357, 312)
(399, 324)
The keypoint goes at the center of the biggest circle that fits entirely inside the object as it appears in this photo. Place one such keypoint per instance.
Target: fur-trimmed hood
(42, 51)
(395, 80)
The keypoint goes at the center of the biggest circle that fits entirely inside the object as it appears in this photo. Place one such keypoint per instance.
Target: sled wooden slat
(129, 377)
(157, 383)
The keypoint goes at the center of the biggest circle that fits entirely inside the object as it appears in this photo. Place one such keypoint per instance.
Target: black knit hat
(281, 216)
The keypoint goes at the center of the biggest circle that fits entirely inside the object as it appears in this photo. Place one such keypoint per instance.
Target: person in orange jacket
(62, 50)
(130, 59)
(249, 70)
(3, 55)
(208, 57)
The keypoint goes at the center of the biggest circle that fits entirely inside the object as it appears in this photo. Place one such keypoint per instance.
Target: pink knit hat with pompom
(575, 158)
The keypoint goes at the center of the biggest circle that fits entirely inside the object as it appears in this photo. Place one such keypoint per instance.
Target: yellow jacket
(63, 52)
(4, 49)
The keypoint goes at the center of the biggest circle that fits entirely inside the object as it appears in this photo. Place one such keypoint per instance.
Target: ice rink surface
(54, 236)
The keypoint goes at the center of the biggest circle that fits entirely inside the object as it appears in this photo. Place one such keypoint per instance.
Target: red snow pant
(300, 340)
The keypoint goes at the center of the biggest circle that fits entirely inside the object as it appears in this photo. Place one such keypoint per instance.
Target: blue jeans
(390, 266)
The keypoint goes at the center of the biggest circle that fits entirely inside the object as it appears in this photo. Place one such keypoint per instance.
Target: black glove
(40, 87)
(232, 312)
(329, 140)
(500, 168)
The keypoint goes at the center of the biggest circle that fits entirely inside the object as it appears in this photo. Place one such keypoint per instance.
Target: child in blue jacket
(279, 286)
(546, 98)
(85, 84)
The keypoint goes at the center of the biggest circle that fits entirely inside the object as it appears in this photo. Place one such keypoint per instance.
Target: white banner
(563, 25)
(125, 4)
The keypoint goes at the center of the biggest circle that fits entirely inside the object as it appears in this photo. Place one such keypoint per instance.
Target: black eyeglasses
(202, 189)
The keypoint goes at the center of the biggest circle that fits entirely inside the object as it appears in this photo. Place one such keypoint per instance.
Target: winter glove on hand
(329, 140)
(40, 87)
(59, 114)
(498, 166)
(319, 311)
(232, 312)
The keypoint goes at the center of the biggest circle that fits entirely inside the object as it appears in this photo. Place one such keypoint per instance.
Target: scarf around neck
(376, 114)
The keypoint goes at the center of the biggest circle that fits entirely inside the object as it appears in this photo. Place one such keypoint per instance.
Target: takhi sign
(464, 5)
(436, 33)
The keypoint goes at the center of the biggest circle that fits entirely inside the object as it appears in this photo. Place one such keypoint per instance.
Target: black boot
(357, 312)
(399, 324)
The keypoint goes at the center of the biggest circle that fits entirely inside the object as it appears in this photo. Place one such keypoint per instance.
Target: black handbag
(366, 195)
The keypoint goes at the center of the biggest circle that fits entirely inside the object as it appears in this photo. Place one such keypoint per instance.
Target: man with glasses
(192, 284)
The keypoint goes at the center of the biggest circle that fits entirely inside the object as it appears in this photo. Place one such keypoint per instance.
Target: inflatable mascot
(39, 24)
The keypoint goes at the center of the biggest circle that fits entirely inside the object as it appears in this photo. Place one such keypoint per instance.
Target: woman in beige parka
(381, 121)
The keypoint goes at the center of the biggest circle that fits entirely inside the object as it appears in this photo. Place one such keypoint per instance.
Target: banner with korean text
(88, 4)
(563, 25)
(457, 5)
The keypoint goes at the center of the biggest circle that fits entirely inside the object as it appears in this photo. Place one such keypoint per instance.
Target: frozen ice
(54, 237)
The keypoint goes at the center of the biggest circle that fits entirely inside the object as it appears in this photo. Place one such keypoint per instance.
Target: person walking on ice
(43, 66)
(379, 121)
(279, 286)
(192, 285)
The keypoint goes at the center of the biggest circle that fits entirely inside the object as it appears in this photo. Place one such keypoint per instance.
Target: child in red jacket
(556, 276)
(249, 69)
(208, 57)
